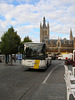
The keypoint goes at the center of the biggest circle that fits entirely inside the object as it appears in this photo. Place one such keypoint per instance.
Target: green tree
(26, 39)
(10, 42)
(0, 47)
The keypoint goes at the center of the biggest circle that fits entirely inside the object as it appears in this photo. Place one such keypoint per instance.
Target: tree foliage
(10, 42)
(0, 47)
(27, 39)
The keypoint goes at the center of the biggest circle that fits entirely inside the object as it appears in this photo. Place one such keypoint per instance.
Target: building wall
(53, 45)
(74, 44)
(44, 31)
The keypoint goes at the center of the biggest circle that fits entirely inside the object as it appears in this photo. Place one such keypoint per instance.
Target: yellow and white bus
(34, 56)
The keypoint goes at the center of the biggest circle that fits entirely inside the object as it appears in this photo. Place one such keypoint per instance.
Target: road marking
(45, 80)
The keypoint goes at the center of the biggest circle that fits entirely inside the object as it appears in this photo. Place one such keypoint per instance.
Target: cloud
(6, 1)
(26, 16)
(19, 2)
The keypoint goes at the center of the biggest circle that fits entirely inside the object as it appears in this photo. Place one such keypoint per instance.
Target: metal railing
(70, 81)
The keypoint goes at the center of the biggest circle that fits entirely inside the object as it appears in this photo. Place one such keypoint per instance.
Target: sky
(26, 15)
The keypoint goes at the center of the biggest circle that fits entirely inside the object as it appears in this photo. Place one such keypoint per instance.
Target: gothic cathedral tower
(44, 31)
(71, 36)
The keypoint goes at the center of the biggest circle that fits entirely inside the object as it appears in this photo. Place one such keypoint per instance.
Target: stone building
(55, 45)
(44, 31)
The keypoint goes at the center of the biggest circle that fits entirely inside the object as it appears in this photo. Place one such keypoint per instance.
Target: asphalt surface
(54, 88)
(16, 83)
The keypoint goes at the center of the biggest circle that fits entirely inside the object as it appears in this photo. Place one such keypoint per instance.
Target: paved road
(19, 84)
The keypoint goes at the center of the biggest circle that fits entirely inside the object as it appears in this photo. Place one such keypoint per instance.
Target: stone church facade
(55, 45)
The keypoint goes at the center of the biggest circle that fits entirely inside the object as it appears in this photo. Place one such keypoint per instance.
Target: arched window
(58, 44)
(70, 42)
(65, 42)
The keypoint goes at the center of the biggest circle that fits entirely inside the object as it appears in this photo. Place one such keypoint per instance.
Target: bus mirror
(43, 50)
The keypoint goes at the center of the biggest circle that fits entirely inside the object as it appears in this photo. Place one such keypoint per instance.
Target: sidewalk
(54, 88)
(16, 64)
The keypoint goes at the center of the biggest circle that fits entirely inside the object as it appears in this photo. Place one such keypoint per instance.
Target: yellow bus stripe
(36, 64)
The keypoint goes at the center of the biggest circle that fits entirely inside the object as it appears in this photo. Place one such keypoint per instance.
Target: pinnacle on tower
(44, 24)
(71, 36)
(40, 24)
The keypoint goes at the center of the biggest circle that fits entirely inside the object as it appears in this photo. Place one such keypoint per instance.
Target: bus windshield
(34, 51)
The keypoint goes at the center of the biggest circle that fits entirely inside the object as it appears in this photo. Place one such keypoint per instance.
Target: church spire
(44, 24)
(71, 36)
